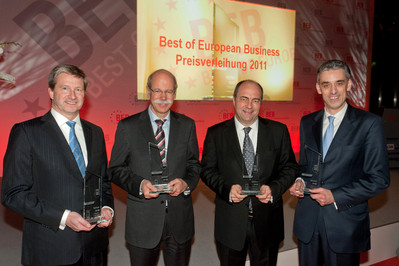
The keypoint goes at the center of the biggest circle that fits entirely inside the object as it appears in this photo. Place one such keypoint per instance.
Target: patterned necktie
(328, 135)
(160, 140)
(248, 151)
(75, 147)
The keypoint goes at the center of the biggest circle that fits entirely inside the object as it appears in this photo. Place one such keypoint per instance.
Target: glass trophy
(311, 173)
(92, 194)
(159, 171)
(251, 184)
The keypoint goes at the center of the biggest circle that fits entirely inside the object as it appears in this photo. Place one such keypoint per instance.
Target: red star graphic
(32, 107)
(190, 82)
(160, 50)
(160, 24)
(172, 5)
(172, 69)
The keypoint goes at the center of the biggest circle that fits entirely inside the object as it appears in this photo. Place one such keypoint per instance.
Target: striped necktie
(75, 147)
(160, 140)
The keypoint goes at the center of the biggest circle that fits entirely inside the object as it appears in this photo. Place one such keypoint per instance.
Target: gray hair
(333, 65)
(164, 71)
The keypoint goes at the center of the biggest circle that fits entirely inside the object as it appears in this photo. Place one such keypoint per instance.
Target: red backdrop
(100, 37)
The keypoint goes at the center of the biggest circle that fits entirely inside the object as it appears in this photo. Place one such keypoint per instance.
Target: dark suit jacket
(355, 169)
(41, 179)
(222, 162)
(130, 164)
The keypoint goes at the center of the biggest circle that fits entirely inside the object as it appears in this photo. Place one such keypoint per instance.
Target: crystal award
(159, 171)
(311, 174)
(92, 194)
(251, 184)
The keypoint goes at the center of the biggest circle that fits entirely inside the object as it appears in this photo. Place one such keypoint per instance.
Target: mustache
(163, 101)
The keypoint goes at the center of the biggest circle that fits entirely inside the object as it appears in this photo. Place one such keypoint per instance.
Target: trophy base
(307, 192)
(96, 220)
(162, 188)
(251, 192)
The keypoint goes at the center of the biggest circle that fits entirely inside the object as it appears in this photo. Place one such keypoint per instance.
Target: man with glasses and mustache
(154, 219)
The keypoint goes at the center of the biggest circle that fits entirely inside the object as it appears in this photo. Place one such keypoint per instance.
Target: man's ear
(349, 85)
(50, 93)
(318, 88)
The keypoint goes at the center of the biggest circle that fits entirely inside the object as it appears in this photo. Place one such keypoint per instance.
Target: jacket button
(162, 202)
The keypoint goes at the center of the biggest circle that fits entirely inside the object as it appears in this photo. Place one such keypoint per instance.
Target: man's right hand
(297, 189)
(235, 194)
(76, 222)
(146, 188)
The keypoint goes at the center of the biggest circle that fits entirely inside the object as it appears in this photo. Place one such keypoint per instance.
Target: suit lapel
(174, 131)
(232, 140)
(87, 131)
(59, 140)
(147, 133)
(263, 134)
(146, 127)
(344, 129)
(263, 140)
(317, 129)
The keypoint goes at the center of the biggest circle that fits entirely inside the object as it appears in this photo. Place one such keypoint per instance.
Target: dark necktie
(328, 135)
(75, 147)
(160, 140)
(248, 151)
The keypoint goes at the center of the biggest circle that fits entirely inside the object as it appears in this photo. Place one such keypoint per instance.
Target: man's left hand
(178, 185)
(106, 214)
(323, 196)
(266, 195)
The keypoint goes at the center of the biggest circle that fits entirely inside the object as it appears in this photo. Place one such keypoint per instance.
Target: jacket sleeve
(18, 192)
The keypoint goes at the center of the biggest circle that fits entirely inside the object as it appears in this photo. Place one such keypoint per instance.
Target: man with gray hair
(154, 141)
(344, 163)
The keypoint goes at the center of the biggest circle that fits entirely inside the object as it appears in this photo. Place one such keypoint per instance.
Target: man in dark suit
(331, 219)
(242, 222)
(156, 218)
(43, 182)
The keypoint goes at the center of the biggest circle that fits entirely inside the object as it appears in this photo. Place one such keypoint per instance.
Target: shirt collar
(61, 120)
(154, 117)
(338, 116)
(239, 126)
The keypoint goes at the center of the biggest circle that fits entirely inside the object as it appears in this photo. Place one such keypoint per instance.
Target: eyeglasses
(158, 92)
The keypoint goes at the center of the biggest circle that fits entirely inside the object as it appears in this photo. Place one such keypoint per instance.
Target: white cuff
(63, 220)
(187, 191)
(335, 204)
(303, 181)
(140, 190)
(112, 211)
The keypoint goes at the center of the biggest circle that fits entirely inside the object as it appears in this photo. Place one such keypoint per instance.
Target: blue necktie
(328, 135)
(75, 147)
(248, 151)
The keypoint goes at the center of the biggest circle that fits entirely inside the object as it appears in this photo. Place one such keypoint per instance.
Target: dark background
(385, 56)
